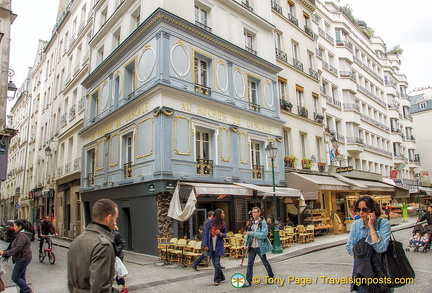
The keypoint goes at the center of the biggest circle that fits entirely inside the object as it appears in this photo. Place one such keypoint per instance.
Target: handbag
(396, 264)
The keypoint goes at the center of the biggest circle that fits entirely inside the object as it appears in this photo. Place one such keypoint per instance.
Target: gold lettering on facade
(211, 113)
(186, 106)
(258, 126)
(236, 120)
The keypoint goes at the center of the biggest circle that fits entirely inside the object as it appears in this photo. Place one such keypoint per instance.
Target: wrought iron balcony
(247, 6)
(201, 25)
(254, 107)
(249, 49)
(355, 139)
(333, 69)
(257, 171)
(309, 31)
(281, 55)
(313, 73)
(81, 104)
(76, 166)
(276, 6)
(204, 166)
(292, 19)
(128, 170)
(72, 112)
(68, 168)
(203, 90)
(297, 64)
(302, 111)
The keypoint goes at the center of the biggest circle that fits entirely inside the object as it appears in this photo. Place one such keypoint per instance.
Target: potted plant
(321, 166)
(307, 163)
(303, 111)
(290, 161)
(319, 118)
(286, 105)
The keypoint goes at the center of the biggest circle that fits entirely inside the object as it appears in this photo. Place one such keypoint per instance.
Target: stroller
(421, 239)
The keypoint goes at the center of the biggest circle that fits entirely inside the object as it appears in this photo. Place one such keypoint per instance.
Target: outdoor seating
(177, 251)
(236, 249)
(310, 230)
(302, 233)
(230, 234)
(290, 232)
(190, 256)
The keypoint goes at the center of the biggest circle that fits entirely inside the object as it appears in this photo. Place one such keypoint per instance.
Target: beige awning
(427, 190)
(268, 190)
(310, 184)
(218, 189)
(374, 185)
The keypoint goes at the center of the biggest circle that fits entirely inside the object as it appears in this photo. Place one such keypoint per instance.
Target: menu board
(241, 210)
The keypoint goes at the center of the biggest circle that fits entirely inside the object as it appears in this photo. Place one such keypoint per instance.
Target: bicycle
(47, 252)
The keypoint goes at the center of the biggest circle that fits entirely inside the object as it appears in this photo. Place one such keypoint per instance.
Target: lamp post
(11, 86)
(271, 152)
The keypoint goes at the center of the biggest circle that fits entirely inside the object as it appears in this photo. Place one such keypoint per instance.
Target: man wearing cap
(427, 216)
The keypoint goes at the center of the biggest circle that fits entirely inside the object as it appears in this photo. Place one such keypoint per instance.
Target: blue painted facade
(175, 102)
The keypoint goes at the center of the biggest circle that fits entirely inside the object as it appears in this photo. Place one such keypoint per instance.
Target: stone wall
(164, 222)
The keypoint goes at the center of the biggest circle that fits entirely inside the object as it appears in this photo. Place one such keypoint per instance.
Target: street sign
(344, 169)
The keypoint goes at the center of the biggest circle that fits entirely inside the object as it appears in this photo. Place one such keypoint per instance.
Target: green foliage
(396, 50)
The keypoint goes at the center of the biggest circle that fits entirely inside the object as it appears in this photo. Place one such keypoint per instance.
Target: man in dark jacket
(204, 253)
(46, 228)
(91, 256)
(427, 216)
(120, 245)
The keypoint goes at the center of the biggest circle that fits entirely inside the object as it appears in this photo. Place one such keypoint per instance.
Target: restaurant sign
(344, 169)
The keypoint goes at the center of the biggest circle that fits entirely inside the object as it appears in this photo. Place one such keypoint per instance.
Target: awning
(268, 190)
(366, 185)
(217, 189)
(310, 184)
(427, 190)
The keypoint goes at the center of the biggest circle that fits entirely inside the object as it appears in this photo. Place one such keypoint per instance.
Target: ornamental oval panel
(180, 60)
(239, 84)
(146, 64)
(268, 95)
(104, 97)
(222, 77)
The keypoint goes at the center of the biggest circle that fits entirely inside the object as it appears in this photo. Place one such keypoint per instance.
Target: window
(318, 146)
(295, 51)
(94, 107)
(303, 144)
(128, 154)
(257, 168)
(299, 94)
(423, 105)
(203, 139)
(91, 157)
(291, 8)
(136, 18)
(282, 83)
(249, 40)
(200, 71)
(104, 16)
(116, 38)
(117, 88)
(100, 54)
(129, 79)
(278, 41)
(201, 18)
(316, 103)
(287, 141)
(253, 90)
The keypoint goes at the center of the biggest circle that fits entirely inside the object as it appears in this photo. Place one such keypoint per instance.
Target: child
(414, 241)
(424, 240)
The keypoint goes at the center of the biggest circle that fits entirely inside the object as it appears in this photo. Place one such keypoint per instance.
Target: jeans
(48, 240)
(253, 252)
(198, 260)
(18, 276)
(218, 274)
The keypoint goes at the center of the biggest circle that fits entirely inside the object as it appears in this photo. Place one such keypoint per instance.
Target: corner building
(173, 101)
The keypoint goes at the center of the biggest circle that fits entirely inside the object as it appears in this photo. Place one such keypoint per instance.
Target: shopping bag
(120, 268)
(2, 270)
(396, 264)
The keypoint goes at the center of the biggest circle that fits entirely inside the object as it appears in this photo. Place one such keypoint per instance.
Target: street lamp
(11, 86)
(420, 211)
(271, 152)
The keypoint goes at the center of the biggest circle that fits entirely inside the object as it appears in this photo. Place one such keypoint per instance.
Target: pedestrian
(91, 256)
(368, 238)
(20, 250)
(120, 244)
(204, 252)
(214, 233)
(427, 216)
(257, 243)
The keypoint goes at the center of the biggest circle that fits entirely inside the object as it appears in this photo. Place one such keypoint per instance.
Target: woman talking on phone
(369, 237)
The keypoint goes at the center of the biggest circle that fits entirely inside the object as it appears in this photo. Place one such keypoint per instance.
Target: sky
(395, 21)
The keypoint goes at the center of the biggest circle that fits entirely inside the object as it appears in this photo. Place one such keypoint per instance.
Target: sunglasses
(364, 210)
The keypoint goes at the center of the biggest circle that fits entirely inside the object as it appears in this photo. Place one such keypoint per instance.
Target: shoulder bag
(396, 264)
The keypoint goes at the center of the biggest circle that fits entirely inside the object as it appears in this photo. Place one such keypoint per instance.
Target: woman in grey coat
(20, 250)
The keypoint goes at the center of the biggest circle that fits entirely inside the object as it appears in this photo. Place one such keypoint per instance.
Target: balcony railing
(76, 166)
(257, 171)
(68, 168)
(72, 112)
(349, 74)
(63, 119)
(325, 64)
(254, 107)
(204, 166)
(292, 19)
(203, 26)
(247, 6)
(321, 32)
(203, 90)
(249, 49)
(90, 178)
(302, 111)
(346, 44)
(128, 170)
(309, 31)
(281, 55)
(318, 52)
(297, 64)
(81, 104)
(329, 38)
(313, 73)
(408, 116)
(337, 103)
(276, 6)
(59, 171)
(355, 139)
(333, 69)
(351, 106)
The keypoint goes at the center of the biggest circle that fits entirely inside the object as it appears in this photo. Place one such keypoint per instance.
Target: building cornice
(161, 15)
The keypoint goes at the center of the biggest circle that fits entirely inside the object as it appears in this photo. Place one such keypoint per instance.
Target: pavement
(149, 268)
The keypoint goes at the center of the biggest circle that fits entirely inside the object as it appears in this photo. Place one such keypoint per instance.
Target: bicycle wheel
(51, 257)
(41, 256)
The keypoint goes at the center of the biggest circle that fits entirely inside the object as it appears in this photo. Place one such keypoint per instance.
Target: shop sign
(344, 169)
(170, 186)
(152, 187)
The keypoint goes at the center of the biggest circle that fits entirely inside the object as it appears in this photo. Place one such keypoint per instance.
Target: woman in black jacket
(20, 250)
(120, 244)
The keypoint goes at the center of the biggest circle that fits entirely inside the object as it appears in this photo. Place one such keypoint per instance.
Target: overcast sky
(397, 22)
